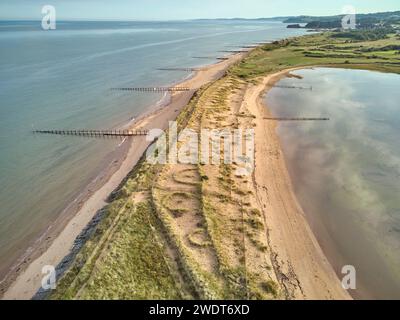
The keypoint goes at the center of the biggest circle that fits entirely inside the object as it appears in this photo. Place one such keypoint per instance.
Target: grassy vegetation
(134, 265)
(126, 256)
(364, 21)
(320, 49)
(365, 35)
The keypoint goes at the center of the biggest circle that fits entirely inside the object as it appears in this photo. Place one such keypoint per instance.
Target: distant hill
(363, 20)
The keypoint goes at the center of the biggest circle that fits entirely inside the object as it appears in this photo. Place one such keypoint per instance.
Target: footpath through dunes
(182, 230)
(208, 214)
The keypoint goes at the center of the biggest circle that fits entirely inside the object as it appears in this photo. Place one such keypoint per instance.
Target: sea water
(346, 171)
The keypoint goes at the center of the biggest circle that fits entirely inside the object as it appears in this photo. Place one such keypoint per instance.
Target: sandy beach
(297, 252)
(25, 279)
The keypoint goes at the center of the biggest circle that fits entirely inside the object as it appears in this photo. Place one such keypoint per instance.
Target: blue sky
(185, 9)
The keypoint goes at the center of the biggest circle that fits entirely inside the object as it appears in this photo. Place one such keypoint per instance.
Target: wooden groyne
(217, 58)
(95, 133)
(247, 46)
(153, 89)
(235, 51)
(179, 69)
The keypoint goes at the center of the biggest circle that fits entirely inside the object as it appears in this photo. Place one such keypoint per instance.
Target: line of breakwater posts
(296, 119)
(291, 87)
(180, 69)
(95, 133)
(247, 46)
(152, 89)
(217, 58)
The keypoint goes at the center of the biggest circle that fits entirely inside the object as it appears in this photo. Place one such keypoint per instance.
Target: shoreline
(296, 247)
(326, 240)
(23, 280)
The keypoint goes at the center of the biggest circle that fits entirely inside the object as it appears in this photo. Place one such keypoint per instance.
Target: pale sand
(28, 281)
(307, 272)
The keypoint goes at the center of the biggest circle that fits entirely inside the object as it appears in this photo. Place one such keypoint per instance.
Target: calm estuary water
(61, 79)
(346, 171)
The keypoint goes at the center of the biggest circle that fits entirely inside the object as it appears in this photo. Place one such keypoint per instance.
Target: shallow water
(346, 171)
(61, 79)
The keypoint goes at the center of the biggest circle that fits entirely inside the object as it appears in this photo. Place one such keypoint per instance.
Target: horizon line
(189, 19)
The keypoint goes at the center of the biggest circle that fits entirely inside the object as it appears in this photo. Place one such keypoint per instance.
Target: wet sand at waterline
(298, 254)
(345, 172)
